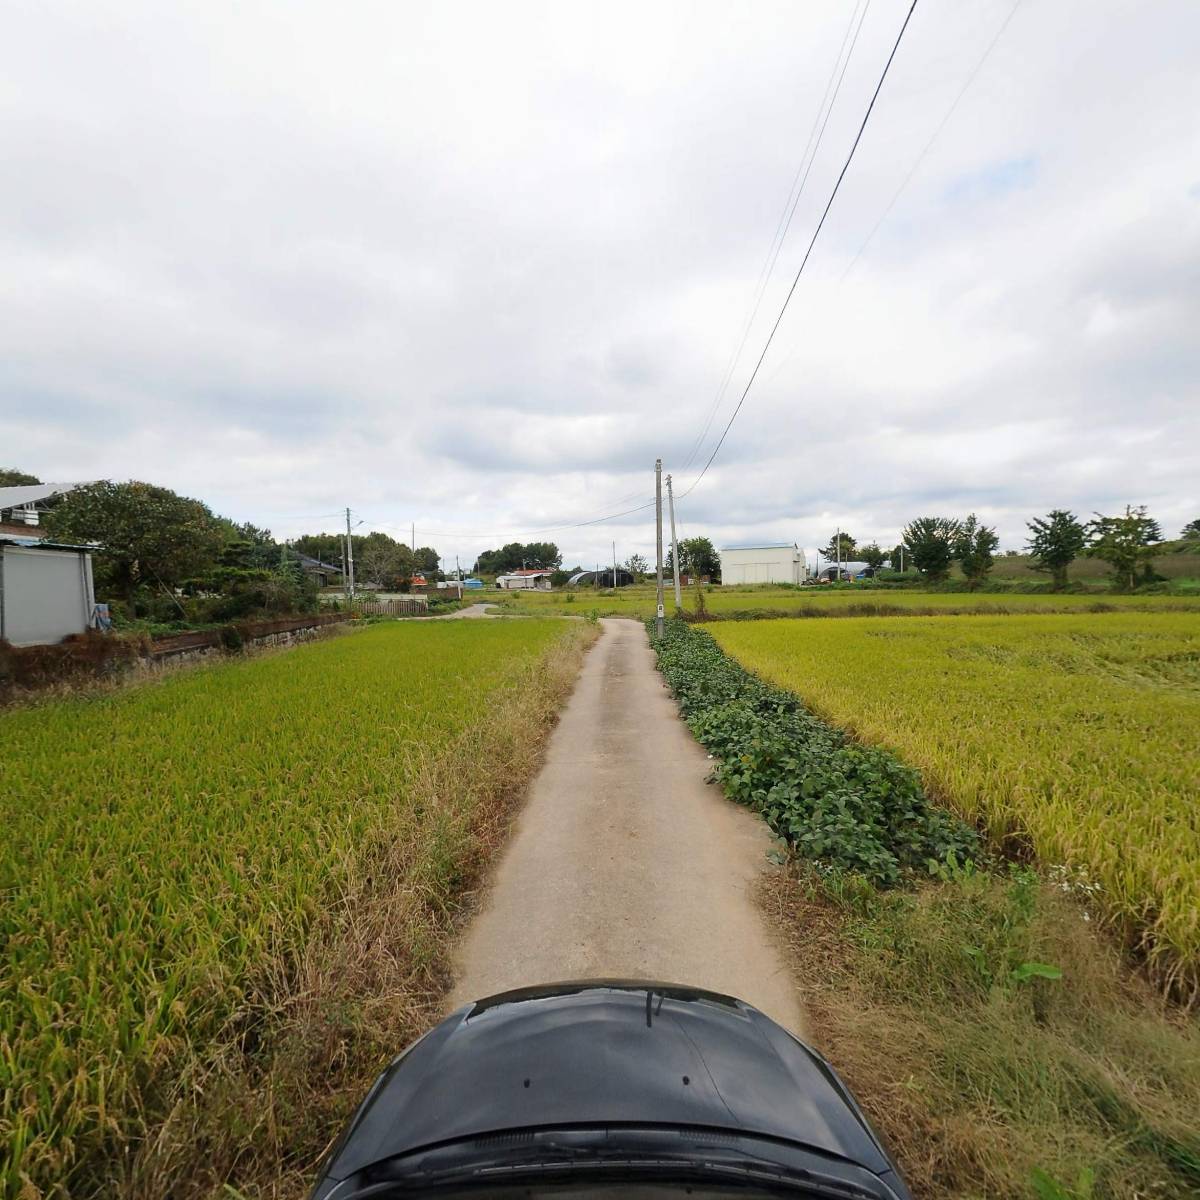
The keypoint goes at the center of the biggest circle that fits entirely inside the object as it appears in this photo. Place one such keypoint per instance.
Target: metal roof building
(772, 562)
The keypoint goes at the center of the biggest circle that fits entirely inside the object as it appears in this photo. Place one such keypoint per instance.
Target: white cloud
(477, 265)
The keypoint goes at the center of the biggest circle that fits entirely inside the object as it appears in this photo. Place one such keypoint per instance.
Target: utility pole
(349, 555)
(901, 558)
(837, 538)
(658, 615)
(458, 576)
(674, 547)
(614, 564)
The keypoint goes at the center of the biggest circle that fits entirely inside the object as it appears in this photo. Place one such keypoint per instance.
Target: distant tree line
(517, 555)
(378, 558)
(170, 558)
(932, 545)
(155, 546)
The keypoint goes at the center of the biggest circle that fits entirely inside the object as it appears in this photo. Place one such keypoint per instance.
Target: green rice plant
(173, 851)
(1071, 736)
(767, 600)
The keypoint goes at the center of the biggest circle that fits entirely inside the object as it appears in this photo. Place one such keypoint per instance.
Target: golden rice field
(170, 849)
(1079, 734)
(638, 601)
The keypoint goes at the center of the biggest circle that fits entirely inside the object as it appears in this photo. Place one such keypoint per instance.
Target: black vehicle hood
(606, 1053)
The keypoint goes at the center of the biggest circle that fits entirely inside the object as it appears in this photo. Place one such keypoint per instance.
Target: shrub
(837, 802)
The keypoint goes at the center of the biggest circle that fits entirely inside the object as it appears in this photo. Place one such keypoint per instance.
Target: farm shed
(601, 579)
(775, 562)
(45, 590)
(525, 579)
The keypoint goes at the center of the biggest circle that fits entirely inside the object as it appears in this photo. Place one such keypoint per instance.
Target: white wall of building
(762, 564)
(44, 594)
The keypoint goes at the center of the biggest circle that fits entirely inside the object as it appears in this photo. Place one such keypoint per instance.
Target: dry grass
(975, 1079)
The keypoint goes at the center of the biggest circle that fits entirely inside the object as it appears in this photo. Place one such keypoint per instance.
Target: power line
(785, 216)
(519, 533)
(807, 253)
(933, 138)
(787, 358)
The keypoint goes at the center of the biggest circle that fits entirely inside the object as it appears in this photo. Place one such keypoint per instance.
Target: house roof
(31, 493)
(308, 561)
(33, 543)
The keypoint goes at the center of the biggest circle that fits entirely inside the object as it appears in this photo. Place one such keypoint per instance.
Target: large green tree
(381, 560)
(929, 546)
(147, 535)
(697, 556)
(515, 555)
(1191, 531)
(1055, 541)
(975, 548)
(847, 544)
(872, 555)
(1125, 542)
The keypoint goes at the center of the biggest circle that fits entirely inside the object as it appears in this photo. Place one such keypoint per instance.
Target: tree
(974, 546)
(427, 561)
(1124, 542)
(898, 558)
(872, 555)
(848, 546)
(697, 556)
(1191, 531)
(146, 534)
(929, 546)
(515, 555)
(637, 565)
(1055, 541)
(11, 477)
(381, 560)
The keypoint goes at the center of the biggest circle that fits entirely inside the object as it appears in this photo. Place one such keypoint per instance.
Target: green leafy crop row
(835, 801)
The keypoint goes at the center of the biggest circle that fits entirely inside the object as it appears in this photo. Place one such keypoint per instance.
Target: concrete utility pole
(349, 556)
(674, 547)
(658, 616)
(458, 576)
(838, 542)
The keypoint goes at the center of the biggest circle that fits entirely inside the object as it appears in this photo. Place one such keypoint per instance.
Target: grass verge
(232, 899)
(994, 1036)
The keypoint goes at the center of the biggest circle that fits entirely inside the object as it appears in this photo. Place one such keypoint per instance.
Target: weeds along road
(623, 861)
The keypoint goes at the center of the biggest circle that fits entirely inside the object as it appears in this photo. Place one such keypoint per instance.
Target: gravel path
(624, 862)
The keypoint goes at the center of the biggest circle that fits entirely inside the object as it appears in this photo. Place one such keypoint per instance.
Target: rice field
(1077, 735)
(172, 849)
(638, 601)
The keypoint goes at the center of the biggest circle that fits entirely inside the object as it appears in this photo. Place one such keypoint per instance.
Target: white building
(525, 580)
(45, 590)
(776, 562)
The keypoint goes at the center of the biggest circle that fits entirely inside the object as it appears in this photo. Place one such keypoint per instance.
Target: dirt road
(624, 862)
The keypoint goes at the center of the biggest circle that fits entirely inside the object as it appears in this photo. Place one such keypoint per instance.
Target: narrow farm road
(623, 861)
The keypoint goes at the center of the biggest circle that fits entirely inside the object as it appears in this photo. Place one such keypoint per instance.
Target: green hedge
(840, 803)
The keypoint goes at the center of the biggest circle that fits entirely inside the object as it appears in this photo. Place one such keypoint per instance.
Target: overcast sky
(477, 265)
